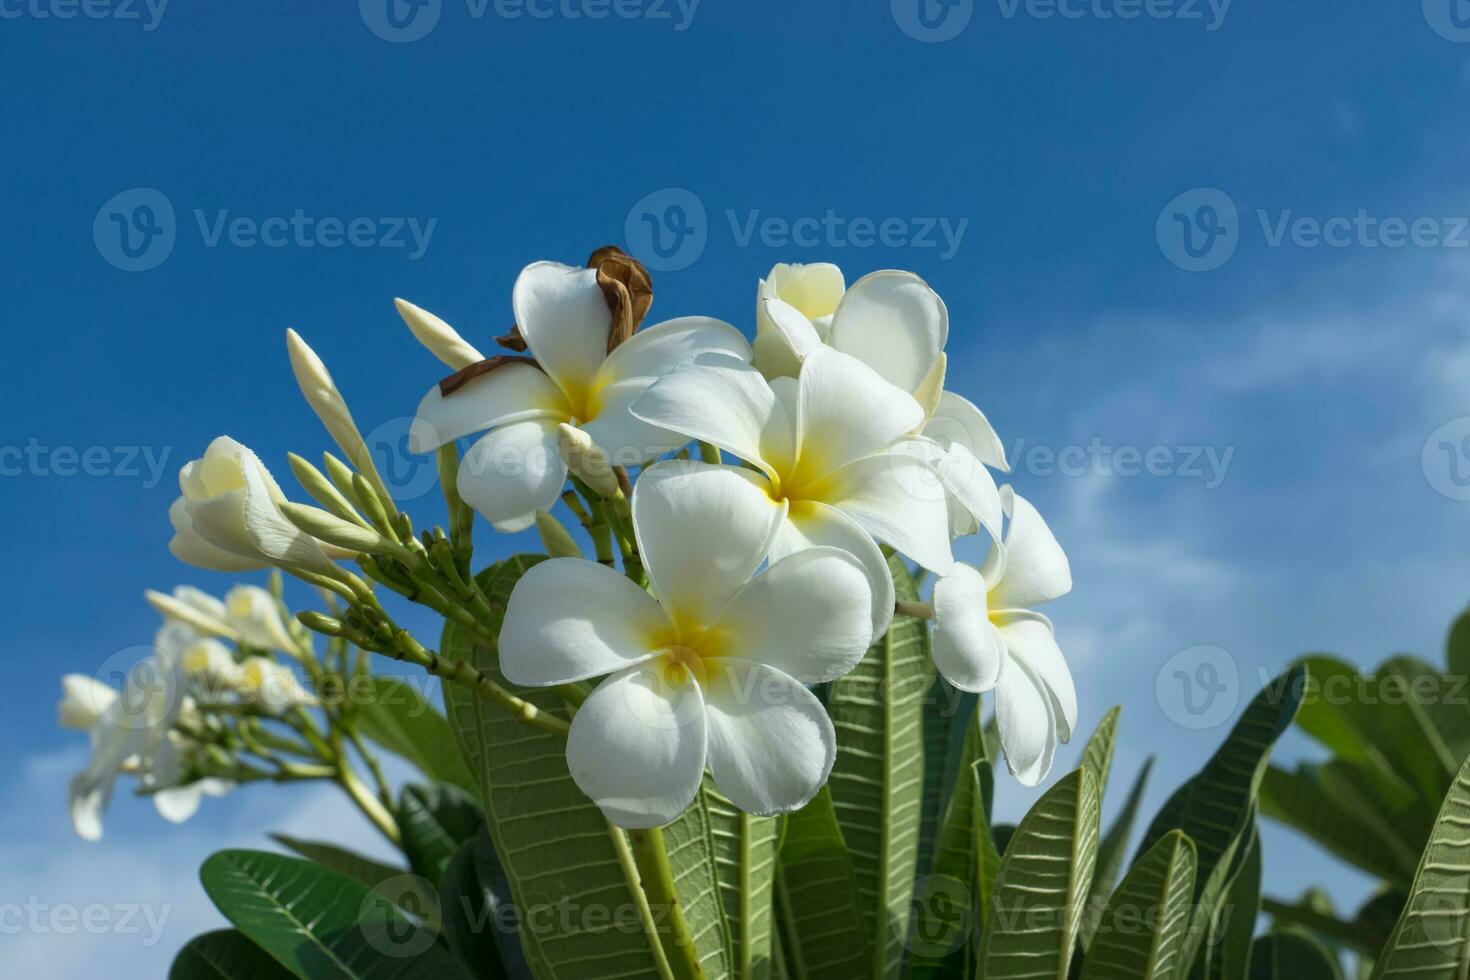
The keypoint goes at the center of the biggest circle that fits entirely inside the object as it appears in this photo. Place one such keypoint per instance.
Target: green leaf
(363, 869)
(552, 841)
(1235, 921)
(318, 923)
(690, 842)
(1366, 935)
(1288, 956)
(480, 924)
(1110, 854)
(822, 935)
(877, 781)
(1161, 884)
(948, 713)
(1097, 755)
(1300, 801)
(1042, 885)
(1457, 646)
(224, 955)
(745, 869)
(1431, 940)
(397, 718)
(436, 821)
(1216, 808)
(1402, 729)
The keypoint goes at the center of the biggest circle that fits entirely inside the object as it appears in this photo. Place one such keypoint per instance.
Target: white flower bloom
(831, 453)
(706, 671)
(129, 728)
(175, 800)
(228, 517)
(516, 469)
(256, 616)
(986, 636)
(894, 323)
(272, 685)
(211, 670)
(194, 608)
(84, 700)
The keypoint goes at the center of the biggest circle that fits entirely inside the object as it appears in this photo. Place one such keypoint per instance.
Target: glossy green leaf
(1402, 729)
(1142, 933)
(225, 955)
(554, 844)
(822, 932)
(318, 923)
(478, 918)
(1288, 956)
(1431, 940)
(397, 718)
(1110, 855)
(436, 821)
(364, 869)
(877, 781)
(1042, 886)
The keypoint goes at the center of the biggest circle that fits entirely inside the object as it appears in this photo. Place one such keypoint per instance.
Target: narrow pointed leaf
(877, 782)
(436, 822)
(1110, 854)
(693, 854)
(225, 955)
(823, 935)
(349, 863)
(397, 718)
(1152, 947)
(1042, 886)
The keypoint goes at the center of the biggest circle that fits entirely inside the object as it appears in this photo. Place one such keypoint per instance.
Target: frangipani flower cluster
(753, 493)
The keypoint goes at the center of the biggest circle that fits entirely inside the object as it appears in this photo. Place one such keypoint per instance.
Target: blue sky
(1313, 153)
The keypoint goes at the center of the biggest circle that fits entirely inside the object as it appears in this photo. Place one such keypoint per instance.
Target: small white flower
(175, 800)
(126, 728)
(986, 637)
(271, 685)
(894, 323)
(211, 670)
(256, 616)
(831, 452)
(193, 608)
(84, 700)
(228, 517)
(706, 671)
(516, 469)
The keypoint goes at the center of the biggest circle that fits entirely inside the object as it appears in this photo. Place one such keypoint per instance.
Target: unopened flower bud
(555, 538)
(442, 340)
(587, 461)
(333, 530)
(315, 482)
(327, 402)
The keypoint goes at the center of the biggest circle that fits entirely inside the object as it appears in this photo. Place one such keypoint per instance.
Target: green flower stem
(709, 454)
(370, 805)
(658, 884)
(385, 792)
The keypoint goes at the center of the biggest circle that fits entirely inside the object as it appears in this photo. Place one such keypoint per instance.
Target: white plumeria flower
(84, 700)
(177, 801)
(564, 319)
(254, 613)
(228, 517)
(194, 608)
(709, 669)
(986, 637)
(126, 728)
(830, 451)
(271, 685)
(211, 670)
(897, 325)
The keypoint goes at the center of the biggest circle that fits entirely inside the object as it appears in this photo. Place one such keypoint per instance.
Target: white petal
(512, 392)
(513, 472)
(565, 321)
(968, 650)
(791, 325)
(655, 351)
(724, 402)
(958, 422)
(84, 700)
(814, 288)
(1032, 568)
(569, 619)
(774, 357)
(87, 798)
(973, 488)
(637, 746)
(771, 744)
(809, 615)
(191, 549)
(846, 411)
(811, 523)
(894, 323)
(627, 439)
(1026, 718)
(268, 530)
(178, 804)
(255, 615)
(1029, 638)
(702, 531)
(899, 500)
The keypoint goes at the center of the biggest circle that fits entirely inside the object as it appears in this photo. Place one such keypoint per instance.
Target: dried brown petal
(465, 375)
(512, 339)
(627, 287)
